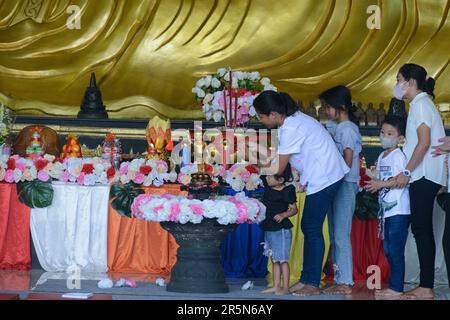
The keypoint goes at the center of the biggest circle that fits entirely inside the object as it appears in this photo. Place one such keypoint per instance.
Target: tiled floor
(37, 280)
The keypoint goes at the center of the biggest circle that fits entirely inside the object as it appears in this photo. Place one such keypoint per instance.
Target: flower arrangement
(146, 172)
(242, 176)
(213, 94)
(226, 209)
(84, 171)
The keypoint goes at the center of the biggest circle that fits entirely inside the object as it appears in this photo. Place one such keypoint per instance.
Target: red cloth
(367, 250)
(14, 230)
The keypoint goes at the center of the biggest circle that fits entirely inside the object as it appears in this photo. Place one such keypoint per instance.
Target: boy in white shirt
(394, 214)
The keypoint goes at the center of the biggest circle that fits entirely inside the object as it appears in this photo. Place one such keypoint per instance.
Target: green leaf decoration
(366, 206)
(122, 197)
(35, 194)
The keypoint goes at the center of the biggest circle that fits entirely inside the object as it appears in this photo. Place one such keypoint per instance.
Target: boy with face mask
(394, 213)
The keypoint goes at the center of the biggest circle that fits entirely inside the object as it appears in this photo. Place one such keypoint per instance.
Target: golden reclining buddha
(148, 54)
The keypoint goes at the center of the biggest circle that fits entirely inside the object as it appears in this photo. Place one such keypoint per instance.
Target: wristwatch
(407, 173)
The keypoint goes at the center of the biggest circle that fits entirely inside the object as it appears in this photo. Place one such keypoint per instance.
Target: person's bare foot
(419, 293)
(388, 294)
(282, 291)
(270, 290)
(343, 289)
(307, 290)
(296, 287)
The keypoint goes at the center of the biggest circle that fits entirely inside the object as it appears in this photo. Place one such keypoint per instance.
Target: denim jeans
(316, 208)
(340, 226)
(395, 235)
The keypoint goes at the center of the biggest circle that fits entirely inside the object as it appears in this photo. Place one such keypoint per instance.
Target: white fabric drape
(412, 271)
(73, 230)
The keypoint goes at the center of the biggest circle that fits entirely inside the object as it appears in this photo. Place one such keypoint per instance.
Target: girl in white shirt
(425, 173)
(306, 145)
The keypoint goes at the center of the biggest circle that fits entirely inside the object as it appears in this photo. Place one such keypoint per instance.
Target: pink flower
(174, 211)
(20, 166)
(198, 210)
(136, 206)
(139, 178)
(43, 176)
(9, 176)
(158, 208)
(65, 176)
(245, 175)
(80, 179)
(15, 157)
(124, 169)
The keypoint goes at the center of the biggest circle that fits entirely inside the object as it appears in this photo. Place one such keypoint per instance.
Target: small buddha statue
(311, 111)
(360, 114)
(381, 114)
(372, 119)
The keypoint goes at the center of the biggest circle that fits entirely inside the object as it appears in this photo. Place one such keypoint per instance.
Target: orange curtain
(141, 246)
(14, 230)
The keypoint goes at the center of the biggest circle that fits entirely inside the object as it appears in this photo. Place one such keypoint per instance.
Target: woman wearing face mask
(425, 173)
(308, 147)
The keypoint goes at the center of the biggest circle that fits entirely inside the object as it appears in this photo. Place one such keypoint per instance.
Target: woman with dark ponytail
(308, 147)
(424, 173)
(338, 103)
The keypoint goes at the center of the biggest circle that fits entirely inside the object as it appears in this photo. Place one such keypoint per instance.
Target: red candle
(235, 107)
(225, 109)
(231, 99)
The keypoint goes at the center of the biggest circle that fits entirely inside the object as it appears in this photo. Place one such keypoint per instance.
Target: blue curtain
(242, 252)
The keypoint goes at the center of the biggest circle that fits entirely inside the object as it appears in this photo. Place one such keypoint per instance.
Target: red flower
(209, 169)
(88, 168)
(11, 164)
(40, 164)
(251, 169)
(169, 146)
(110, 173)
(145, 169)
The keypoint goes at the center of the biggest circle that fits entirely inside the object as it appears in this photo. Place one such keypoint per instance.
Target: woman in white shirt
(425, 173)
(308, 147)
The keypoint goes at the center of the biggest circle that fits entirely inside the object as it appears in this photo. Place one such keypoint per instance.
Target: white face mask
(387, 143)
(400, 89)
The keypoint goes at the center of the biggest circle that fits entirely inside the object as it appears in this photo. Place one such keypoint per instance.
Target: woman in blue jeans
(306, 145)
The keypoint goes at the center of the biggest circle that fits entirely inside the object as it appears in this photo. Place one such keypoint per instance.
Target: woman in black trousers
(424, 173)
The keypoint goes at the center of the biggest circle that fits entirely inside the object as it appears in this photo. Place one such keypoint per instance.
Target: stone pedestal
(198, 268)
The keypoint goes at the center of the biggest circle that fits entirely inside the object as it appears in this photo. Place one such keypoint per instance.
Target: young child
(281, 203)
(394, 214)
(338, 103)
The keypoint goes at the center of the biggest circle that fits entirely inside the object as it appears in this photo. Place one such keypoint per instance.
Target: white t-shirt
(423, 111)
(388, 167)
(313, 152)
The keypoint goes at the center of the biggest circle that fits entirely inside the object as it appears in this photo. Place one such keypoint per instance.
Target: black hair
(340, 98)
(397, 122)
(271, 101)
(418, 73)
(286, 175)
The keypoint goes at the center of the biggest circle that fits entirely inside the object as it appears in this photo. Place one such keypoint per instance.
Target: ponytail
(351, 114)
(429, 86)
